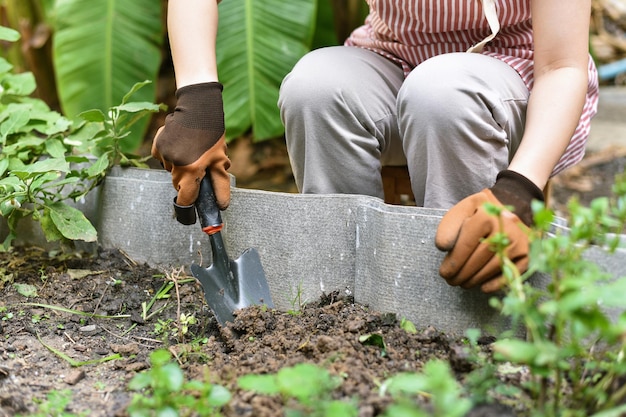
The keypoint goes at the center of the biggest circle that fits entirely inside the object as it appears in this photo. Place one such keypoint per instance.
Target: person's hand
(469, 261)
(192, 143)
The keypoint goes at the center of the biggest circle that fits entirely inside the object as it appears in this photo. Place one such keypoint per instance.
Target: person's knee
(434, 90)
(311, 82)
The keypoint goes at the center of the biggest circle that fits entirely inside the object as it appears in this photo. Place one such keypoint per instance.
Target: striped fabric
(411, 31)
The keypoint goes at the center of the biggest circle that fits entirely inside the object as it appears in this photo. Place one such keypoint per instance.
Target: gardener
(405, 90)
(192, 139)
(483, 100)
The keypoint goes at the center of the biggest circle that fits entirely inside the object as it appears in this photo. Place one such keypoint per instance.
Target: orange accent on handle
(211, 230)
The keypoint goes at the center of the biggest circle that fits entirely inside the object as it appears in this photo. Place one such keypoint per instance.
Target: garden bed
(35, 335)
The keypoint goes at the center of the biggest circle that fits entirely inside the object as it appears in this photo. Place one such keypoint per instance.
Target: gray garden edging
(309, 245)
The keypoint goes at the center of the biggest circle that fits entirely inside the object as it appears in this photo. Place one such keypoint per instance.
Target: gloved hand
(192, 141)
(469, 261)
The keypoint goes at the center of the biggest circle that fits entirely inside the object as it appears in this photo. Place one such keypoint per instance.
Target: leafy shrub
(48, 159)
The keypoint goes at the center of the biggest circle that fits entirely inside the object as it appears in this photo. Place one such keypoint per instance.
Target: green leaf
(19, 84)
(264, 384)
(219, 396)
(516, 351)
(50, 230)
(374, 339)
(171, 377)
(405, 382)
(101, 49)
(99, 167)
(26, 290)
(55, 148)
(4, 165)
(136, 107)
(44, 166)
(257, 45)
(94, 115)
(408, 326)
(140, 381)
(5, 67)
(133, 90)
(8, 34)
(71, 222)
(340, 409)
(16, 117)
(304, 381)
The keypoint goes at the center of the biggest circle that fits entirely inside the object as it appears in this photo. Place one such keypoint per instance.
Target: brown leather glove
(469, 261)
(192, 142)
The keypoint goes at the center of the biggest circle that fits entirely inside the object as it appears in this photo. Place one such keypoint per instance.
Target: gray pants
(456, 121)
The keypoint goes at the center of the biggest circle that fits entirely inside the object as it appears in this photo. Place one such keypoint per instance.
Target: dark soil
(33, 332)
(259, 341)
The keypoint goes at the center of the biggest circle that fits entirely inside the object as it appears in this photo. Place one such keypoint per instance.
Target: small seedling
(297, 303)
(310, 386)
(55, 404)
(374, 339)
(163, 391)
(435, 385)
(408, 326)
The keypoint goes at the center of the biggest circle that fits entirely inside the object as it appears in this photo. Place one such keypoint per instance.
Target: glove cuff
(514, 189)
(200, 106)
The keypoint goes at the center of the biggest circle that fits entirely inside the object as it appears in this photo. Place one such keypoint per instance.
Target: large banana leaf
(101, 49)
(258, 43)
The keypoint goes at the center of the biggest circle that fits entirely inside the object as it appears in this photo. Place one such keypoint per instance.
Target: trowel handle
(206, 206)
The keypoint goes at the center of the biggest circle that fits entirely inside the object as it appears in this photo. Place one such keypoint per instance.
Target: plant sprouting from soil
(435, 387)
(55, 405)
(163, 391)
(306, 390)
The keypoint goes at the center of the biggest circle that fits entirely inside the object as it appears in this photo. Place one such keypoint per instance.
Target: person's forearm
(553, 113)
(192, 30)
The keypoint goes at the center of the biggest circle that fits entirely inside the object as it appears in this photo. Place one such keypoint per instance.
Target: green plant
(99, 48)
(54, 406)
(435, 388)
(297, 302)
(185, 321)
(306, 390)
(408, 326)
(47, 159)
(164, 392)
(374, 339)
(163, 328)
(575, 349)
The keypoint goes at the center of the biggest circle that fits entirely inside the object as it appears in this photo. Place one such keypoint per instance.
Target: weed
(55, 404)
(297, 303)
(163, 328)
(100, 386)
(37, 318)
